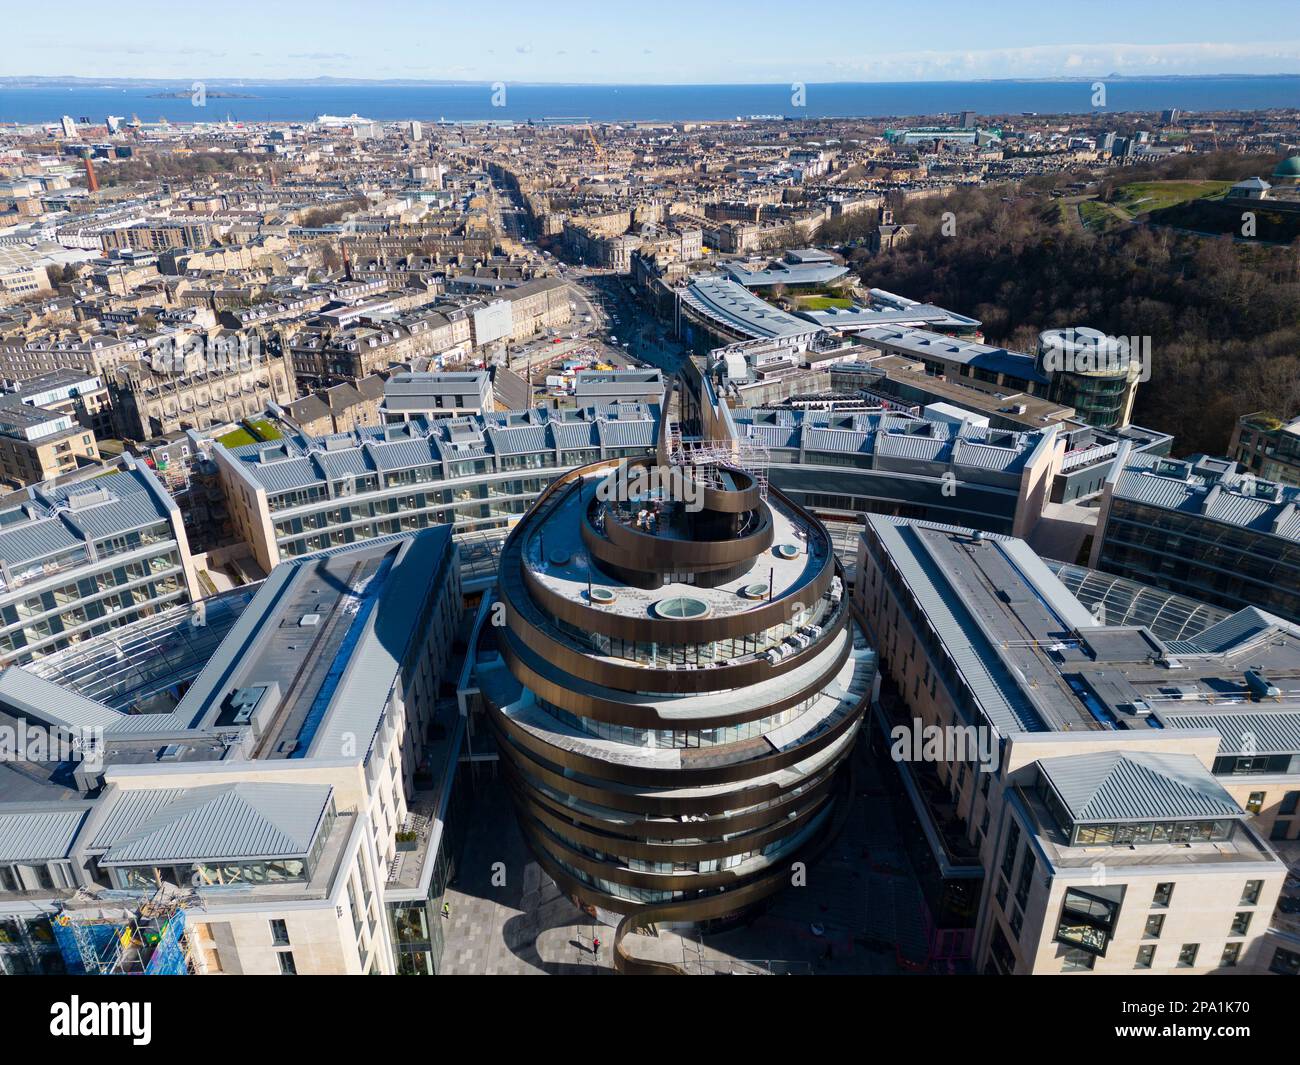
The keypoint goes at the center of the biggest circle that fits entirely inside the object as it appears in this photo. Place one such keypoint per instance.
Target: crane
(591, 136)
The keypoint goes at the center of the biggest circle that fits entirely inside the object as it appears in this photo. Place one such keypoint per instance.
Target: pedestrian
(446, 910)
(595, 947)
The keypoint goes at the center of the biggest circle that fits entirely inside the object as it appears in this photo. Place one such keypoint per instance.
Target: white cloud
(1057, 60)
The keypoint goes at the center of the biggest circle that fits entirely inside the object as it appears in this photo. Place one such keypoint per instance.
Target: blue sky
(660, 41)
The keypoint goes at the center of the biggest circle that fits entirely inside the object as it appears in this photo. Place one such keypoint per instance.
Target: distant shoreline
(33, 81)
(185, 94)
(38, 102)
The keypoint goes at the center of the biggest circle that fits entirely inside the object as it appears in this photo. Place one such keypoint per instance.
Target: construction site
(115, 933)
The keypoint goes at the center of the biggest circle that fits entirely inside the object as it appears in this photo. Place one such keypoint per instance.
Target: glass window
(279, 933)
(1088, 919)
(1250, 896)
(1256, 802)
(1077, 961)
(1164, 893)
(1155, 925)
(1285, 962)
(1187, 956)
(1231, 953)
(1240, 924)
(1009, 853)
(287, 966)
(1146, 957)
(1026, 878)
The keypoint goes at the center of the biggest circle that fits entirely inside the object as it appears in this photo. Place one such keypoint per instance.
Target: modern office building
(37, 443)
(804, 268)
(963, 134)
(436, 395)
(1200, 528)
(844, 464)
(1268, 447)
(290, 808)
(1095, 374)
(82, 396)
(1076, 771)
(676, 683)
(78, 559)
(714, 311)
(302, 494)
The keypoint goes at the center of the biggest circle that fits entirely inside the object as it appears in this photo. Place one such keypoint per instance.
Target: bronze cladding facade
(680, 681)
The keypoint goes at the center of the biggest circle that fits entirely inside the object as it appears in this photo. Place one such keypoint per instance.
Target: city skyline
(559, 490)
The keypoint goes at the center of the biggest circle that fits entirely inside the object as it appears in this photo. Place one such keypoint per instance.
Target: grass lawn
(237, 438)
(823, 303)
(1096, 215)
(264, 429)
(1143, 196)
(257, 430)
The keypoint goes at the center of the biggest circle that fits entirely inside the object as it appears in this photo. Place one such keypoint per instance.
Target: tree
(1223, 318)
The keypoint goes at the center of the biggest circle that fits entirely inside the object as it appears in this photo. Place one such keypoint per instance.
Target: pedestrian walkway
(524, 926)
(860, 901)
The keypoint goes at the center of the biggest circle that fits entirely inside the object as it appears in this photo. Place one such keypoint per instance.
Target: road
(607, 313)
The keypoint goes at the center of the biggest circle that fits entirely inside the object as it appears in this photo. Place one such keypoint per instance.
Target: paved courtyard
(857, 903)
(522, 926)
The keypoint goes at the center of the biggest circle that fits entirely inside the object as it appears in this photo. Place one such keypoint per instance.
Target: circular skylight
(601, 595)
(787, 550)
(681, 608)
(755, 591)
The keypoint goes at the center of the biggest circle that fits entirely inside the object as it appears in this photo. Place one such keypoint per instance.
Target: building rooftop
(295, 462)
(244, 821)
(887, 309)
(891, 436)
(937, 347)
(50, 521)
(557, 557)
(1213, 489)
(1137, 785)
(316, 653)
(1036, 658)
(303, 670)
(780, 272)
(738, 309)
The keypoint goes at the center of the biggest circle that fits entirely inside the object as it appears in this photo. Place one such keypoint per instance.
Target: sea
(645, 103)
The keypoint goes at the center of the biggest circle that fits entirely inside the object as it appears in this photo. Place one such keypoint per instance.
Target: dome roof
(1288, 167)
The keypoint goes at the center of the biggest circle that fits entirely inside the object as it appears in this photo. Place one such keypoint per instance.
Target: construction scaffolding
(705, 457)
(117, 934)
